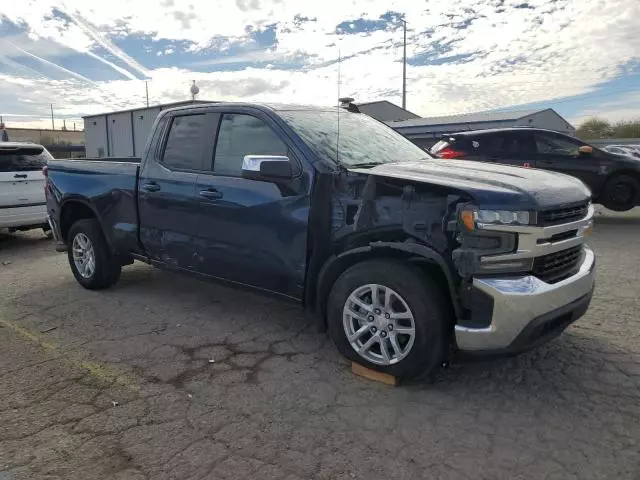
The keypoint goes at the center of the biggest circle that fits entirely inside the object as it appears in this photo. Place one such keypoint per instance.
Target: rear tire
(621, 193)
(415, 303)
(90, 258)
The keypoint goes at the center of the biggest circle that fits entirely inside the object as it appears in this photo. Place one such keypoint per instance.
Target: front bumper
(527, 311)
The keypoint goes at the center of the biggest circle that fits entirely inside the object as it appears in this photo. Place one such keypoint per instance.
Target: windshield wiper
(364, 164)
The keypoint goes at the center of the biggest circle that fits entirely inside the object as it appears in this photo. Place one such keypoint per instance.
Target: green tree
(594, 128)
(626, 129)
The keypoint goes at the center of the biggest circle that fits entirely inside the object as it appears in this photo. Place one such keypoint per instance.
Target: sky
(581, 57)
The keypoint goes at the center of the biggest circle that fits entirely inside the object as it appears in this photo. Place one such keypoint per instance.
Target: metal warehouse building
(427, 131)
(123, 133)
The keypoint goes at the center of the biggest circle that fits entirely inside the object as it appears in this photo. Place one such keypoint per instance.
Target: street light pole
(404, 66)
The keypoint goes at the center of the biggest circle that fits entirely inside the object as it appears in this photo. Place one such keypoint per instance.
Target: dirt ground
(165, 377)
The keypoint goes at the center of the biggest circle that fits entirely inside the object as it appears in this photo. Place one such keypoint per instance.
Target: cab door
(167, 202)
(253, 230)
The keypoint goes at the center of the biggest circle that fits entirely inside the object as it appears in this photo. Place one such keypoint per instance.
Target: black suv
(614, 179)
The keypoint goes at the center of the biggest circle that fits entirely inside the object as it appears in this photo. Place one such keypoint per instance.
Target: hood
(490, 185)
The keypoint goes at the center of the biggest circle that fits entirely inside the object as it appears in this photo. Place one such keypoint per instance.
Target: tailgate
(21, 177)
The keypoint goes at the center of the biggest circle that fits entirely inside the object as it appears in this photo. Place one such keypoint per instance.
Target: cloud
(54, 65)
(625, 107)
(107, 44)
(465, 56)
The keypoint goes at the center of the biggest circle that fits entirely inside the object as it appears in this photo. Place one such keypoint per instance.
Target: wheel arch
(635, 174)
(626, 172)
(428, 260)
(72, 210)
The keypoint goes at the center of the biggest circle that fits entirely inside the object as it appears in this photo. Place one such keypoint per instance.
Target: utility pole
(146, 87)
(53, 125)
(404, 66)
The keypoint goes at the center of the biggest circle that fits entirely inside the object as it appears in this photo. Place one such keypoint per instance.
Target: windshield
(362, 140)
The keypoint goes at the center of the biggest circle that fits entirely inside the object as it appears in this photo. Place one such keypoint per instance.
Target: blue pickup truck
(404, 258)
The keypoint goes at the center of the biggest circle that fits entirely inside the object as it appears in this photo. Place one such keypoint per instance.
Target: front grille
(558, 237)
(557, 266)
(563, 215)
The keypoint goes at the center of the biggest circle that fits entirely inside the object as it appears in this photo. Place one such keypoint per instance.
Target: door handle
(211, 193)
(151, 187)
(20, 175)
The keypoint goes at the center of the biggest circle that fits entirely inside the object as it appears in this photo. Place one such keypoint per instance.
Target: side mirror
(585, 150)
(266, 166)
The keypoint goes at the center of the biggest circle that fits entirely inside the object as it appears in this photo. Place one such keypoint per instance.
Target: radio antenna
(339, 107)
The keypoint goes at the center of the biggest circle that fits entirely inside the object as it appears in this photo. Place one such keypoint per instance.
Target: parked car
(403, 256)
(623, 150)
(22, 199)
(614, 179)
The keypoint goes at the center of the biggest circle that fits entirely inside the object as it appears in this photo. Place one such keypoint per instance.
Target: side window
(507, 144)
(187, 146)
(553, 145)
(492, 144)
(525, 144)
(242, 135)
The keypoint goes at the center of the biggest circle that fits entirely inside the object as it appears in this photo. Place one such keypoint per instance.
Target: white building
(123, 133)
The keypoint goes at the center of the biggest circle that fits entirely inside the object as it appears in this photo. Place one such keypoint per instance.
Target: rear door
(166, 193)
(21, 177)
(253, 231)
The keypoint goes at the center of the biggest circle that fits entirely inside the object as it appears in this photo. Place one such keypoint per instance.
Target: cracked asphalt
(165, 377)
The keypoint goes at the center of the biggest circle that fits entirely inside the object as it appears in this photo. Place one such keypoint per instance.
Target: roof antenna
(339, 108)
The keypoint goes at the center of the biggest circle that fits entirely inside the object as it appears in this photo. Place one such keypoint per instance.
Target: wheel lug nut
(383, 334)
(390, 327)
(387, 316)
(374, 329)
(370, 318)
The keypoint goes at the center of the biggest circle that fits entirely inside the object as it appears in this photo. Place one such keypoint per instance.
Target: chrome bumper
(522, 302)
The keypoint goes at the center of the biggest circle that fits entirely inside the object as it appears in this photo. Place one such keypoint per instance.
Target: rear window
(23, 159)
(456, 143)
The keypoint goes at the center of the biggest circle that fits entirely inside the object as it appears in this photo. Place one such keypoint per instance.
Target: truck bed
(109, 186)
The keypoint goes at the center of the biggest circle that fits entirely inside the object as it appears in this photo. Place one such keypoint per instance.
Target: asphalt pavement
(166, 377)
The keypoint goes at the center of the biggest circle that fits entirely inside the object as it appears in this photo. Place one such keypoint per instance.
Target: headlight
(473, 216)
(505, 217)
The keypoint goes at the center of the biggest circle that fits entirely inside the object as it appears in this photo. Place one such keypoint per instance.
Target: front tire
(390, 317)
(90, 258)
(621, 193)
